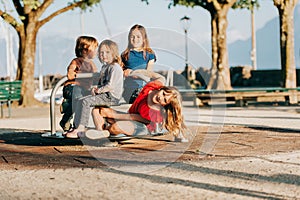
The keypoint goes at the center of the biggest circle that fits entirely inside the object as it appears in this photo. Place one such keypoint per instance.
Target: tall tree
(218, 9)
(27, 24)
(286, 19)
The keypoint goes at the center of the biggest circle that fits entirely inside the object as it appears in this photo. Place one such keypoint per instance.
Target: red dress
(140, 105)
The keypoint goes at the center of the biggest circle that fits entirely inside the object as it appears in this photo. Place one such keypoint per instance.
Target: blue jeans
(71, 94)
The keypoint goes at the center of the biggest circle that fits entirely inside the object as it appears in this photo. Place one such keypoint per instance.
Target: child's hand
(94, 91)
(126, 72)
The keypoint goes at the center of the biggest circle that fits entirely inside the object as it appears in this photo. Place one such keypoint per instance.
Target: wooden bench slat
(9, 91)
(237, 94)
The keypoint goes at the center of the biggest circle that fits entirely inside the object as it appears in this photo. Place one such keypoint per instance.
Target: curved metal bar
(52, 103)
(53, 93)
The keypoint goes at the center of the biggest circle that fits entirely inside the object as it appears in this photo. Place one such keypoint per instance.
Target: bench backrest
(10, 90)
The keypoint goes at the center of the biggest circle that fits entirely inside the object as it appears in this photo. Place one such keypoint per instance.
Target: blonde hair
(83, 44)
(174, 121)
(146, 46)
(114, 50)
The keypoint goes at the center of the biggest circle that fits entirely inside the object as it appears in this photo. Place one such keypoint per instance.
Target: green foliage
(188, 3)
(248, 4)
(87, 3)
(33, 4)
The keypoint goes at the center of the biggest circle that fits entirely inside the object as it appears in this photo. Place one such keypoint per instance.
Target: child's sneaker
(181, 138)
(66, 126)
(96, 134)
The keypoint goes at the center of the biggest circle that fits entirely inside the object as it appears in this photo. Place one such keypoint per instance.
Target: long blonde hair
(174, 121)
(146, 46)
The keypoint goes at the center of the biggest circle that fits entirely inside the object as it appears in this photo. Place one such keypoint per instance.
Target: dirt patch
(23, 149)
(237, 141)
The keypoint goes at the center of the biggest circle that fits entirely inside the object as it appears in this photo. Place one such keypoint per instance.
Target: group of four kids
(120, 76)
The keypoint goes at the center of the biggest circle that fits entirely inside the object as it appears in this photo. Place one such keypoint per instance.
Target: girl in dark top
(85, 51)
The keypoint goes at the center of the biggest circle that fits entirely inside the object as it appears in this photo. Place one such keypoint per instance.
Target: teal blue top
(136, 61)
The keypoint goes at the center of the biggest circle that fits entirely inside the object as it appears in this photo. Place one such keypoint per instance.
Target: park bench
(9, 91)
(241, 96)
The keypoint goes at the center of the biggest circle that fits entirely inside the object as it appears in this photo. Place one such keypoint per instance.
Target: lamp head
(185, 23)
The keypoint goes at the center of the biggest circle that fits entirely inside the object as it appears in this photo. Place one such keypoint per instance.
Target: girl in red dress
(156, 104)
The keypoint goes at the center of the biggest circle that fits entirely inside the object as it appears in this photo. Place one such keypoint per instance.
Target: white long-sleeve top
(111, 80)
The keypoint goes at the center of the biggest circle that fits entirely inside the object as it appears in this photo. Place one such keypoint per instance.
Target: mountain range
(267, 46)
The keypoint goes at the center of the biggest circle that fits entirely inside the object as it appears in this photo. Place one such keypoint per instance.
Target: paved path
(253, 176)
(265, 177)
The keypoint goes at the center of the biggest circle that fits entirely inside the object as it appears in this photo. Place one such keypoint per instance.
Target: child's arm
(72, 70)
(150, 65)
(116, 74)
(147, 75)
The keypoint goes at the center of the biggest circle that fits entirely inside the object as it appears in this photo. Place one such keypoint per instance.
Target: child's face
(136, 39)
(105, 54)
(162, 97)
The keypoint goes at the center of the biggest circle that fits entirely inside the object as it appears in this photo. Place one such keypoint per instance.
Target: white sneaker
(181, 138)
(96, 134)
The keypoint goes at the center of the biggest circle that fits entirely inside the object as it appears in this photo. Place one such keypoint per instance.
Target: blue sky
(121, 15)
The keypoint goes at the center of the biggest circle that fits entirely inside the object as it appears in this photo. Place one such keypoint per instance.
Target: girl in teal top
(138, 55)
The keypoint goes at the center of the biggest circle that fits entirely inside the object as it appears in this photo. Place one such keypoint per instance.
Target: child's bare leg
(97, 118)
(122, 127)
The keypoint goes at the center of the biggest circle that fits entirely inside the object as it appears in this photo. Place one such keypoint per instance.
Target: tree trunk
(27, 42)
(286, 18)
(220, 75)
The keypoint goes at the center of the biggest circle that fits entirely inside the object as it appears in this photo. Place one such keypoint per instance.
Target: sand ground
(233, 153)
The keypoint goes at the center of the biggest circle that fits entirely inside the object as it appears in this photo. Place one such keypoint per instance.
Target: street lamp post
(185, 23)
(253, 51)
